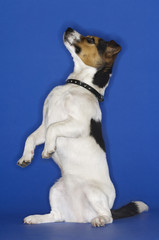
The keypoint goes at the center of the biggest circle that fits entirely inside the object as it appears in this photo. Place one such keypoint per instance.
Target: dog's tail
(129, 210)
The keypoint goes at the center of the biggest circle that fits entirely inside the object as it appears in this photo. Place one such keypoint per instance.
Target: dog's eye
(90, 40)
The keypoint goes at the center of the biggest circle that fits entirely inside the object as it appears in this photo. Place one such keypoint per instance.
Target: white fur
(142, 207)
(85, 192)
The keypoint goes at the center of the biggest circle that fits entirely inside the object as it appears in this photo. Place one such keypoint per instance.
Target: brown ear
(112, 48)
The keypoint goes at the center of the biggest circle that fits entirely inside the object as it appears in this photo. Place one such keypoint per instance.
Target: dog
(72, 133)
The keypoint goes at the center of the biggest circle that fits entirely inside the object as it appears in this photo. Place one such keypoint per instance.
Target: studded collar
(88, 87)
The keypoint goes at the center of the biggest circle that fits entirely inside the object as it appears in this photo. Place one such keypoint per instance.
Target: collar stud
(88, 87)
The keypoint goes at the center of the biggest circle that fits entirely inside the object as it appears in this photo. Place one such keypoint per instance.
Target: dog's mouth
(71, 36)
(66, 39)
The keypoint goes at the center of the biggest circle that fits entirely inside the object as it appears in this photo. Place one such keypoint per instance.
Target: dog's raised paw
(47, 154)
(24, 163)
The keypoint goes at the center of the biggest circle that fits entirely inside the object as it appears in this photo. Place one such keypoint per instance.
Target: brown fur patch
(111, 52)
(89, 53)
(90, 56)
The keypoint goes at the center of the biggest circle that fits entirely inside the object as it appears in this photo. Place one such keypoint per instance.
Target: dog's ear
(112, 48)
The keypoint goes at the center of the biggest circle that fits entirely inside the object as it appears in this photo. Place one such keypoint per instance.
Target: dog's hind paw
(32, 219)
(101, 221)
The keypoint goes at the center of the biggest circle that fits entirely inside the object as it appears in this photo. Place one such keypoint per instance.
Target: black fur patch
(77, 49)
(101, 46)
(128, 210)
(101, 78)
(96, 133)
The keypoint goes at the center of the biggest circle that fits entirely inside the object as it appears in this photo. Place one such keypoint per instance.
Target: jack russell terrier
(72, 133)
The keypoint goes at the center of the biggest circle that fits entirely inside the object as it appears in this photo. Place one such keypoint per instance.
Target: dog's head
(93, 51)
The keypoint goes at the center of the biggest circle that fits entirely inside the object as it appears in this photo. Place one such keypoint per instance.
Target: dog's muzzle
(71, 35)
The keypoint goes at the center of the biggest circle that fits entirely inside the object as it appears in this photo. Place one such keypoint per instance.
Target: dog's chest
(55, 106)
(68, 100)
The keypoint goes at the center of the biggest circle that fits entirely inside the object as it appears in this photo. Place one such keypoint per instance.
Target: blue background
(33, 60)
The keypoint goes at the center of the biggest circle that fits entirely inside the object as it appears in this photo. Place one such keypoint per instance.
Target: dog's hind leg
(57, 203)
(36, 138)
(99, 202)
(45, 218)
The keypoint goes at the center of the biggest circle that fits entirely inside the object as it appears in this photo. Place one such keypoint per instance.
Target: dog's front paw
(48, 151)
(46, 154)
(24, 161)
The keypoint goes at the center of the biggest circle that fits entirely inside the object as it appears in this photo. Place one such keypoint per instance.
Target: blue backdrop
(33, 60)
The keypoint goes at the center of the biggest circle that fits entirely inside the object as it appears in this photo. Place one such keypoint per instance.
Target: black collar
(89, 88)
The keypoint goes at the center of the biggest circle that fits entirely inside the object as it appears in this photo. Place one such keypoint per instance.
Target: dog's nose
(69, 30)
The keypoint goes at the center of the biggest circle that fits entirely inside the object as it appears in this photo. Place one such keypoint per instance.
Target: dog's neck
(91, 76)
